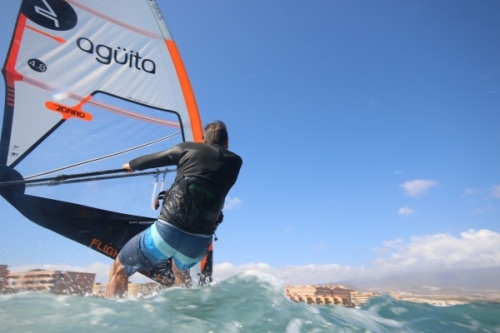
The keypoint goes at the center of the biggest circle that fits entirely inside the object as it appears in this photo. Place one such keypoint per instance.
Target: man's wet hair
(216, 133)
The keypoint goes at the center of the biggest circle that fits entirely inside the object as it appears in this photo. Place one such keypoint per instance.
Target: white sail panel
(131, 63)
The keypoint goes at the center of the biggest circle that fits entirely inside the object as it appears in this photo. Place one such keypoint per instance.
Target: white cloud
(469, 250)
(486, 209)
(471, 191)
(320, 247)
(225, 269)
(405, 211)
(486, 197)
(232, 203)
(307, 274)
(418, 187)
(495, 192)
(472, 249)
(393, 243)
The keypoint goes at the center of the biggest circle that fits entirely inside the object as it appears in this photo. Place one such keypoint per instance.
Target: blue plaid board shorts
(162, 241)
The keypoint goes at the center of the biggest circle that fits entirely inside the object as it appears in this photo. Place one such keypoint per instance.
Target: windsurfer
(191, 210)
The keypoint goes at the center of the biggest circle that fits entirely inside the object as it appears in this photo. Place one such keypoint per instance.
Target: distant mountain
(471, 282)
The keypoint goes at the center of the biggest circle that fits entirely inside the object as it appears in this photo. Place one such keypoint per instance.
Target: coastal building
(99, 289)
(3, 275)
(57, 282)
(320, 295)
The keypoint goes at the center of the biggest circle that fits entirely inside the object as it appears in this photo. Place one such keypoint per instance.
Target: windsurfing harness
(205, 174)
(194, 204)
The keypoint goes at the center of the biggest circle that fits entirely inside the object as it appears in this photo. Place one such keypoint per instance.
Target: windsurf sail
(91, 84)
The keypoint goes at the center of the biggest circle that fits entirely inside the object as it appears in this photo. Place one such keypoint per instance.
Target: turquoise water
(249, 302)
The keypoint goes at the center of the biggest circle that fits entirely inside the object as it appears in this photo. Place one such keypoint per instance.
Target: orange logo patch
(68, 112)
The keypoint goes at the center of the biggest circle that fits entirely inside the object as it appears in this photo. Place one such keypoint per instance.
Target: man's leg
(182, 278)
(118, 280)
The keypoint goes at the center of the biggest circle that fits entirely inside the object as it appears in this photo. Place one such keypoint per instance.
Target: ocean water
(248, 302)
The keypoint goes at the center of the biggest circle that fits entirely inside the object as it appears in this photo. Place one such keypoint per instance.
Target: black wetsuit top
(205, 174)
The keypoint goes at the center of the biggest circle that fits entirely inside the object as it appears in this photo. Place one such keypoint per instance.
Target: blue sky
(369, 133)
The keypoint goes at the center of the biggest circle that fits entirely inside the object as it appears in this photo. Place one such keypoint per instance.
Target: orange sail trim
(57, 39)
(10, 72)
(187, 90)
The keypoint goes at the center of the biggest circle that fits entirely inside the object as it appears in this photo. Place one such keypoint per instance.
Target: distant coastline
(442, 300)
(348, 295)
